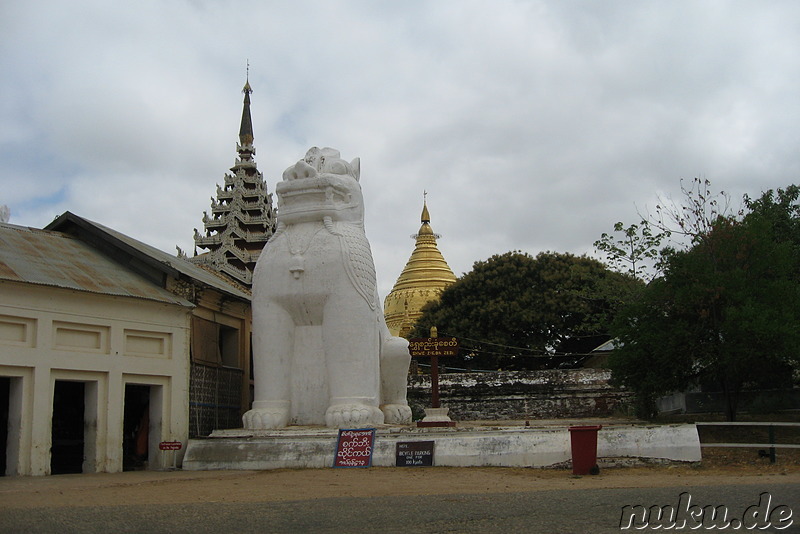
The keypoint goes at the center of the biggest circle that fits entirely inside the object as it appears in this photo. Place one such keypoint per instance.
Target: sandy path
(148, 487)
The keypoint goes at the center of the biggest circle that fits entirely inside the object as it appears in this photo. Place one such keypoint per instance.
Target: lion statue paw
(396, 414)
(352, 415)
(266, 417)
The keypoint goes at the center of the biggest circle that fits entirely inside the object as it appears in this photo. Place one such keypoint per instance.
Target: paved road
(576, 511)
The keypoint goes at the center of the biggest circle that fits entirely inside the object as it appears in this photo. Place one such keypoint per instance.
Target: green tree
(724, 311)
(780, 209)
(633, 250)
(515, 311)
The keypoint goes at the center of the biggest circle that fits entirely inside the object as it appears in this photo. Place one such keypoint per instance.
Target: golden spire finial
(426, 217)
(247, 90)
(246, 129)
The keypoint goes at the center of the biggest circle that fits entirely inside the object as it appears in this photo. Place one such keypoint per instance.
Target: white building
(96, 337)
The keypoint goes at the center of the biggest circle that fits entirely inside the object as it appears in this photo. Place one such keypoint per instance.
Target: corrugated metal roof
(609, 345)
(155, 257)
(59, 260)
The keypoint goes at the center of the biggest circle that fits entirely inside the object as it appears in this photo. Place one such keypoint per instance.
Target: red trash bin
(584, 448)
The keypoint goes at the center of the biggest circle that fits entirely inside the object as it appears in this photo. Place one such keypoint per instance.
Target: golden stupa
(423, 279)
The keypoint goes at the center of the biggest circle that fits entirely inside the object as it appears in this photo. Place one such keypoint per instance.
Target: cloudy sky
(533, 125)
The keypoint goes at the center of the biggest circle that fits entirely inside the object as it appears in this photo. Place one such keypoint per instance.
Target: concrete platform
(468, 444)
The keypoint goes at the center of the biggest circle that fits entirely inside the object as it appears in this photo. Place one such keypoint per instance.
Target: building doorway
(68, 440)
(5, 408)
(136, 428)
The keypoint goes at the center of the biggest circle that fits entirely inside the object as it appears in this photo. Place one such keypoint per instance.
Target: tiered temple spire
(242, 216)
(423, 279)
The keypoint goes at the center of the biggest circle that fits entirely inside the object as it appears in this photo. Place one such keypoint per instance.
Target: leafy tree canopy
(725, 309)
(514, 311)
(634, 250)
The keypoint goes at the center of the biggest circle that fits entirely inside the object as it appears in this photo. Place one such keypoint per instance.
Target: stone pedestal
(436, 417)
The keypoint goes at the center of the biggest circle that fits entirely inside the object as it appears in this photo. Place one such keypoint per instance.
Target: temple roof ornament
(423, 279)
(242, 216)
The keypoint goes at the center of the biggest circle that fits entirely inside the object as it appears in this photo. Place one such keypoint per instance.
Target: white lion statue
(322, 351)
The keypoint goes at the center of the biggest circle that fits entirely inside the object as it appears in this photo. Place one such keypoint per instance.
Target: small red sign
(354, 447)
(170, 445)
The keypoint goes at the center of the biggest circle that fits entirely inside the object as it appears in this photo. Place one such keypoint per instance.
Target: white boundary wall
(494, 446)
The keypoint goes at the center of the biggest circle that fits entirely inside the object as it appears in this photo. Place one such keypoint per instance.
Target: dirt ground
(719, 466)
(173, 487)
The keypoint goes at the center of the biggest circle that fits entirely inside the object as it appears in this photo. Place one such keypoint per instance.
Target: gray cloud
(534, 125)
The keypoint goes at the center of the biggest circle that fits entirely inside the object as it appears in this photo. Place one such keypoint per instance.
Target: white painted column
(115, 401)
(41, 421)
(19, 424)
